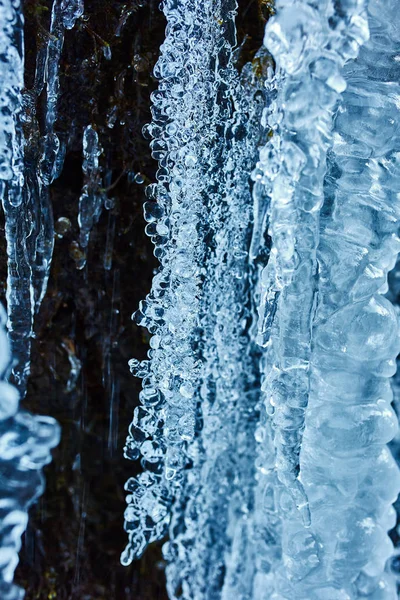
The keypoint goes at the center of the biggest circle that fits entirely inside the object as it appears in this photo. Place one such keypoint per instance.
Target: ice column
(331, 338)
(25, 444)
(345, 461)
(165, 424)
(195, 426)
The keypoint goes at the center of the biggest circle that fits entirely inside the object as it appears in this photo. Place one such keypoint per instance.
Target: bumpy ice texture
(248, 487)
(195, 426)
(28, 167)
(331, 337)
(25, 445)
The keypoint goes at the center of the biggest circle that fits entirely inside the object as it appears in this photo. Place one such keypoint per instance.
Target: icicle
(308, 60)
(25, 440)
(310, 46)
(165, 424)
(19, 291)
(326, 359)
(91, 199)
(26, 202)
(349, 419)
(199, 392)
(265, 528)
(219, 491)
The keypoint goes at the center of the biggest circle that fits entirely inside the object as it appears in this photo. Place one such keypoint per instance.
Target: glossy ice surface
(302, 510)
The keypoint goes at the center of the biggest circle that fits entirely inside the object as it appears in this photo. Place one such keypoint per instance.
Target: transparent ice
(330, 336)
(200, 475)
(25, 440)
(266, 407)
(29, 164)
(91, 199)
(269, 467)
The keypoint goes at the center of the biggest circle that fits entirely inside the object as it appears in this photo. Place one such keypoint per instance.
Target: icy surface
(269, 467)
(330, 338)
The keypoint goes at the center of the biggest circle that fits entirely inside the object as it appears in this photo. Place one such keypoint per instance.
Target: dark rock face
(84, 331)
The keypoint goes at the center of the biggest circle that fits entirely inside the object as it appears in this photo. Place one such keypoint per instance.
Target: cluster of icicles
(266, 406)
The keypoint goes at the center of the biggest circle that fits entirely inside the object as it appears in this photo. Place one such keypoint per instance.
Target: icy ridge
(344, 460)
(219, 490)
(310, 44)
(165, 424)
(265, 523)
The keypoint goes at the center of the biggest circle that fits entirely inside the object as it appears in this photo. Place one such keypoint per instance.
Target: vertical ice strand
(265, 528)
(47, 166)
(218, 496)
(25, 440)
(164, 425)
(19, 293)
(37, 160)
(345, 461)
(200, 384)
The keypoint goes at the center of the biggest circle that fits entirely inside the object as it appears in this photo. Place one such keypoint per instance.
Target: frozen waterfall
(267, 422)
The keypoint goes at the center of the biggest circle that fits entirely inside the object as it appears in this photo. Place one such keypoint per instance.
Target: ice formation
(30, 163)
(91, 199)
(25, 444)
(205, 130)
(266, 407)
(331, 166)
(287, 494)
(25, 440)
